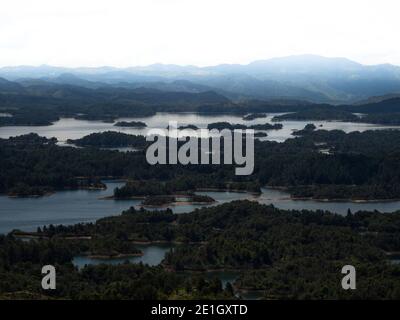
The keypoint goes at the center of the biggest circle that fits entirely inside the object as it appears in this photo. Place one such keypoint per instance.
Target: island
(188, 126)
(110, 139)
(260, 135)
(229, 126)
(130, 124)
(253, 116)
(310, 127)
(163, 200)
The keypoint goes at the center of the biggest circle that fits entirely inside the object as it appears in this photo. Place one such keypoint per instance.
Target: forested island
(163, 200)
(310, 127)
(260, 135)
(253, 116)
(110, 139)
(189, 126)
(130, 124)
(181, 185)
(227, 125)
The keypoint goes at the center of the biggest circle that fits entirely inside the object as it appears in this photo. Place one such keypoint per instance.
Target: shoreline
(343, 200)
(111, 257)
(285, 189)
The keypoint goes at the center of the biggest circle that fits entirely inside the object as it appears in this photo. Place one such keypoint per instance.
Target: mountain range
(305, 77)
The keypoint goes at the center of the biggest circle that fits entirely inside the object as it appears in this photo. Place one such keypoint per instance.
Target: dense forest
(359, 165)
(285, 254)
(180, 185)
(227, 125)
(253, 116)
(327, 113)
(130, 124)
(281, 254)
(46, 103)
(110, 139)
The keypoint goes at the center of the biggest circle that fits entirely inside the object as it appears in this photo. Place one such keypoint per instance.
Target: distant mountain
(102, 93)
(10, 87)
(305, 77)
(376, 99)
(385, 106)
(71, 79)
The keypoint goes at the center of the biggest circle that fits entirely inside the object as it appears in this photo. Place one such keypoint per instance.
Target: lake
(153, 254)
(69, 128)
(71, 207)
(77, 206)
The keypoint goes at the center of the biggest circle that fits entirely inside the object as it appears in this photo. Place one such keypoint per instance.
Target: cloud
(125, 33)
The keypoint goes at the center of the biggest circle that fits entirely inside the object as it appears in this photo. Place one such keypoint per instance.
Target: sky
(125, 33)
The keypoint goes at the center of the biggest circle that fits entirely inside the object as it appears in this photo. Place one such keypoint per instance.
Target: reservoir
(153, 254)
(71, 207)
(69, 128)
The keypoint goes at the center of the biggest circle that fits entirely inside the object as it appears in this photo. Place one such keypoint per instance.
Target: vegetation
(179, 185)
(110, 139)
(382, 118)
(158, 200)
(130, 124)
(286, 254)
(161, 200)
(266, 126)
(260, 134)
(46, 103)
(318, 114)
(253, 116)
(310, 127)
(227, 125)
(367, 161)
(42, 103)
(189, 126)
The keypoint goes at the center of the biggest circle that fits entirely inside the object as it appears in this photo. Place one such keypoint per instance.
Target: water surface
(69, 128)
(71, 207)
(153, 254)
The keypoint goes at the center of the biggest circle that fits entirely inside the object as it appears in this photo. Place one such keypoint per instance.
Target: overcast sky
(200, 32)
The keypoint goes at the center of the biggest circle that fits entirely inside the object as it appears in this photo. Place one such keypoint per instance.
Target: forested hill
(44, 103)
(305, 77)
(40, 102)
(385, 106)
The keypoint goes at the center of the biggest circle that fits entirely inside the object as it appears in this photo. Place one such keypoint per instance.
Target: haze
(129, 33)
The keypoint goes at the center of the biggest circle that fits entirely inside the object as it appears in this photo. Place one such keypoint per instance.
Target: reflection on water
(282, 200)
(70, 207)
(153, 254)
(68, 128)
(64, 207)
